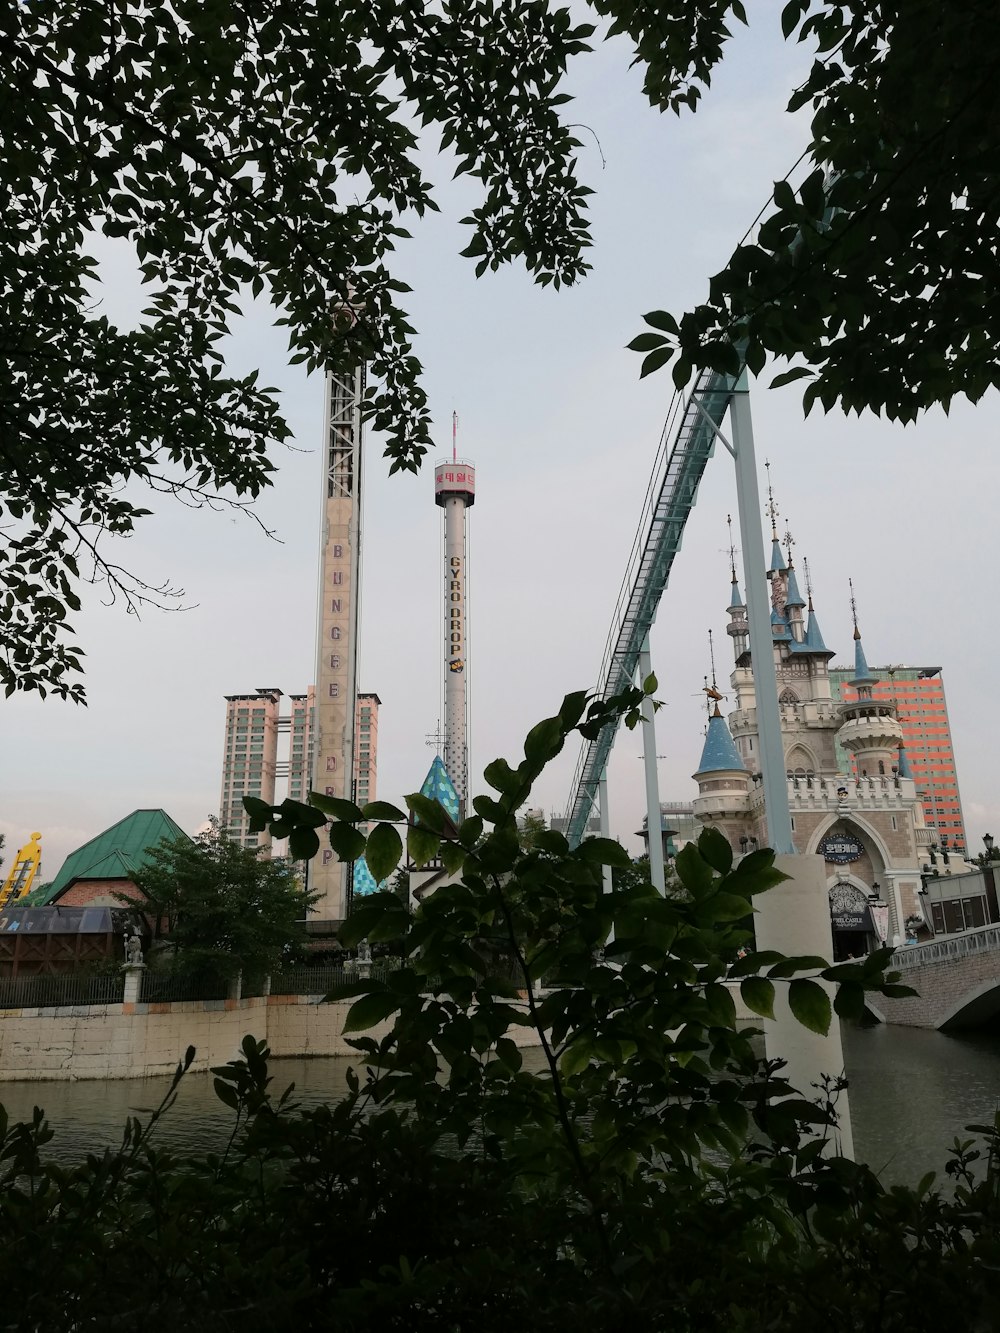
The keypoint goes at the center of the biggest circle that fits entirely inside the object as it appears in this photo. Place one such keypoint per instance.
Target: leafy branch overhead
(233, 151)
(273, 150)
(878, 272)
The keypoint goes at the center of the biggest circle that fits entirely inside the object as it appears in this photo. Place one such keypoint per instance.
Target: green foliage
(654, 1173)
(223, 908)
(272, 152)
(878, 270)
(235, 153)
(530, 826)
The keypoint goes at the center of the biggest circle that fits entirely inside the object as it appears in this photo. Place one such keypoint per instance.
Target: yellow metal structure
(22, 872)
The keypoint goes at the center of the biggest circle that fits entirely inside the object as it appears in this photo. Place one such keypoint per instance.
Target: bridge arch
(977, 1006)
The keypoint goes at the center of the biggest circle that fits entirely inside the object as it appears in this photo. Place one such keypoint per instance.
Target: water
(912, 1091)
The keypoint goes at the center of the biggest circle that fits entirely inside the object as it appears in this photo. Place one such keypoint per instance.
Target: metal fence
(57, 991)
(319, 980)
(167, 987)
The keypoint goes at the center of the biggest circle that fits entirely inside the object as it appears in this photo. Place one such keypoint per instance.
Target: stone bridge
(958, 979)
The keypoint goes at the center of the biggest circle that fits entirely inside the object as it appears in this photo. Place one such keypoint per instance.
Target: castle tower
(337, 623)
(723, 781)
(455, 492)
(869, 730)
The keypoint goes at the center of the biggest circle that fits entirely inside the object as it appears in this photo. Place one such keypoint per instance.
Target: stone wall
(139, 1041)
(962, 992)
(105, 1041)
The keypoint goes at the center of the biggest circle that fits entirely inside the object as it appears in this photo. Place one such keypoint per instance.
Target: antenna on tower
(454, 437)
(789, 543)
(712, 694)
(732, 548)
(772, 508)
(809, 587)
(854, 609)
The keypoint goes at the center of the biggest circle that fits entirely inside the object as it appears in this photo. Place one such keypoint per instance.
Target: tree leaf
(371, 1009)
(716, 850)
(382, 810)
(383, 851)
(849, 1001)
(604, 852)
(758, 995)
(429, 812)
(345, 811)
(422, 844)
(346, 841)
(810, 1004)
(303, 844)
(453, 856)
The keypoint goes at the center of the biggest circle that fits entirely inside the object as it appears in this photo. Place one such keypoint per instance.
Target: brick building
(96, 873)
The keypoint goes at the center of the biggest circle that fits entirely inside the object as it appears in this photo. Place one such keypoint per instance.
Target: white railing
(980, 940)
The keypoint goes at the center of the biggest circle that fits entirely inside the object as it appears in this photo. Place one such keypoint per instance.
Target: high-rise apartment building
(249, 760)
(366, 750)
(922, 711)
(251, 765)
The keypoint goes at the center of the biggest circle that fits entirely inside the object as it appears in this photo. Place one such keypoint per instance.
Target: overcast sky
(564, 435)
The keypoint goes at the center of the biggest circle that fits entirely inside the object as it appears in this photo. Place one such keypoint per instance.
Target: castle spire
(863, 678)
(735, 599)
(737, 628)
(794, 597)
(814, 635)
(777, 556)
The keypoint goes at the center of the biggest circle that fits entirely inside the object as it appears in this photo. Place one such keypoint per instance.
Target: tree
(655, 1174)
(529, 826)
(238, 151)
(880, 271)
(223, 908)
(269, 150)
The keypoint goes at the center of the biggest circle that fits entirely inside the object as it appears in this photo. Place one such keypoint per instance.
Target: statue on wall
(133, 951)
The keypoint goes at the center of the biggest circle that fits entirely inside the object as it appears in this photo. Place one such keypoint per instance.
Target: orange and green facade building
(922, 711)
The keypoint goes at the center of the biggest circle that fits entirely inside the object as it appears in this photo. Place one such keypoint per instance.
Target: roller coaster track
(686, 445)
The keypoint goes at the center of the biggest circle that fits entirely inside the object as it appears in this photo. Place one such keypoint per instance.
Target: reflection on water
(912, 1091)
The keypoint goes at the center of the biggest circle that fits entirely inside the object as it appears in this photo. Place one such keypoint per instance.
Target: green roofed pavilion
(120, 852)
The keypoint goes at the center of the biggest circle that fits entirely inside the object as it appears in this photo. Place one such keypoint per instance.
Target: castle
(867, 825)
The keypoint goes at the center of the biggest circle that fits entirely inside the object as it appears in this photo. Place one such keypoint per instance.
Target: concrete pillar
(794, 918)
(133, 982)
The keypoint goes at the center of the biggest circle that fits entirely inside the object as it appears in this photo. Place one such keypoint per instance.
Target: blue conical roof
(364, 881)
(794, 597)
(779, 626)
(814, 635)
(778, 565)
(735, 600)
(439, 787)
(862, 675)
(720, 753)
(904, 764)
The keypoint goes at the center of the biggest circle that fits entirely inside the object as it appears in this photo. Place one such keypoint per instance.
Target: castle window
(788, 697)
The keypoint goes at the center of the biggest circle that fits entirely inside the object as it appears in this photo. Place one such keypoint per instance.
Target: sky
(563, 434)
